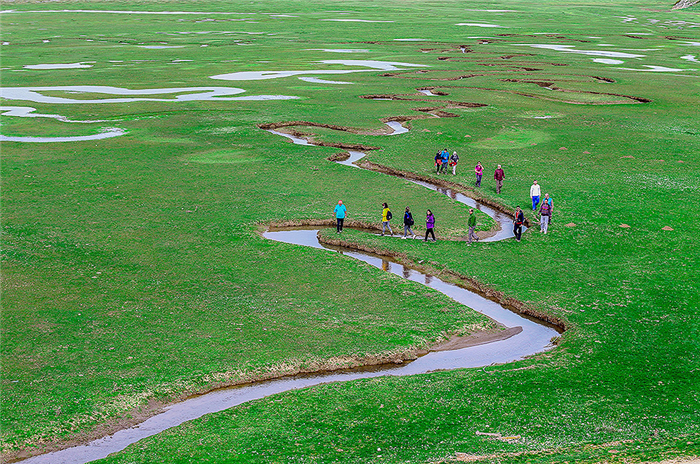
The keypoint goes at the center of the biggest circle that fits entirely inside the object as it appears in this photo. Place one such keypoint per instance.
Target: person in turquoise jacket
(340, 213)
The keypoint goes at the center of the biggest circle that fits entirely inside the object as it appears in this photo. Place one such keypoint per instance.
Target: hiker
(429, 225)
(499, 175)
(545, 214)
(454, 159)
(407, 223)
(535, 195)
(548, 199)
(445, 160)
(340, 213)
(518, 223)
(479, 172)
(386, 217)
(438, 162)
(472, 225)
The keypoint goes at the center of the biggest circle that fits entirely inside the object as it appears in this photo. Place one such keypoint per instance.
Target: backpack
(389, 215)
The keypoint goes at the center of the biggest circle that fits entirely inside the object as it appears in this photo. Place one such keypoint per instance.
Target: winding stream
(527, 337)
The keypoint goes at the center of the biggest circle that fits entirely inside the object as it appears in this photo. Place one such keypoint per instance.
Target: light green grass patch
(222, 157)
(512, 138)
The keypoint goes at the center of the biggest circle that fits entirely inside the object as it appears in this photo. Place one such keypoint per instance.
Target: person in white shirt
(535, 195)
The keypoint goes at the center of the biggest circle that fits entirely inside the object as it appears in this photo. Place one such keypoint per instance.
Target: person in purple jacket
(479, 172)
(429, 225)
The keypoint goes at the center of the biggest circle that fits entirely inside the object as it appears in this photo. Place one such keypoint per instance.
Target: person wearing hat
(340, 213)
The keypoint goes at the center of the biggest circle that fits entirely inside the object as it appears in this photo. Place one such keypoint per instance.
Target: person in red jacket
(499, 175)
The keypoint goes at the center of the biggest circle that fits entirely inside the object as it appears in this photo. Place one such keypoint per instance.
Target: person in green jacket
(472, 225)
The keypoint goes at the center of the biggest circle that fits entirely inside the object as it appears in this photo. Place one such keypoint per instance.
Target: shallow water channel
(535, 337)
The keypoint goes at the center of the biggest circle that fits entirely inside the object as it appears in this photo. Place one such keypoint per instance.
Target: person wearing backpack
(407, 223)
(518, 223)
(386, 217)
(429, 225)
(438, 162)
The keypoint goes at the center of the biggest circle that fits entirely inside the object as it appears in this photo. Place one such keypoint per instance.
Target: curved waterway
(527, 337)
(503, 220)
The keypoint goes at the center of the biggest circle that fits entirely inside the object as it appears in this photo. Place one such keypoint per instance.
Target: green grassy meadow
(134, 273)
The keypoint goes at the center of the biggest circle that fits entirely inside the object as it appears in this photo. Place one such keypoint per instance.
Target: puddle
(57, 66)
(341, 50)
(607, 61)
(347, 20)
(261, 75)
(571, 49)
(109, 133)
(690, 58)
(374, 64)
(651, 68)
(316, 80)
(28, 112)
(192, 94)
(427, 92)
(160, 47)
(480, 25)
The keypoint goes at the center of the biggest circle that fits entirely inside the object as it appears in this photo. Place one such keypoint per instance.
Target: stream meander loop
(534, 337)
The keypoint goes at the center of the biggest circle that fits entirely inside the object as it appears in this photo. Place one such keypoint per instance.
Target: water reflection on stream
(534, 337)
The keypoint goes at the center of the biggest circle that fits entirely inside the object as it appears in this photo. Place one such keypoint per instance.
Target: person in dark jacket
(545, 214)
(438, 162)
(518, 223)
(407, 223)
(499, 175)
(429, 225)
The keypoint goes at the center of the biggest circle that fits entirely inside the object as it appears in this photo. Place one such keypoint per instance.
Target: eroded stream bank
(518, 338)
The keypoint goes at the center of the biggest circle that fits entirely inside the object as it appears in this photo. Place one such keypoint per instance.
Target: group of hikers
(408, 221)
(442, 160)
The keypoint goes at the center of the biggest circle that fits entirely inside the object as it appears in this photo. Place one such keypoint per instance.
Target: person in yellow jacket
(386, 217)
